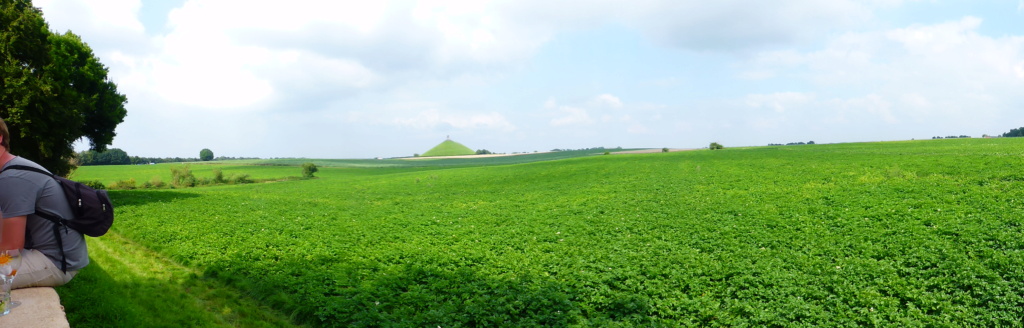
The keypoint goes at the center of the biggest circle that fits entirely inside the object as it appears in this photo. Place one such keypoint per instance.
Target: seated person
(22, 193)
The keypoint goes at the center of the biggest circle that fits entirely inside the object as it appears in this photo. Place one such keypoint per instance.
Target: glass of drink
(10, 261)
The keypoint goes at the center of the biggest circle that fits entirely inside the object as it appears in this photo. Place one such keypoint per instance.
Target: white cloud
(946, 69)
(937, 38)
(779, 102)
(427, 116)
(403, 66)
(571, 116)
(739, 25)
(100, 20)
(637, 128)
(608, 100)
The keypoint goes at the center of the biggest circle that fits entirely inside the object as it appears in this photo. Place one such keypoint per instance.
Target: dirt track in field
(652, 150)
(641, 151)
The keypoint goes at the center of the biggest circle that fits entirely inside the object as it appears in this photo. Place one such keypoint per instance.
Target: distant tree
(206, 154)
(116, 156)
(86, 158)
(53, 90)
(664, 150)
(715, 145)
(308, 169)
(810, 142)
(483, 152)
(112, 156)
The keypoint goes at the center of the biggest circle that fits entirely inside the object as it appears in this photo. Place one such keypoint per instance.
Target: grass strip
(127, 285)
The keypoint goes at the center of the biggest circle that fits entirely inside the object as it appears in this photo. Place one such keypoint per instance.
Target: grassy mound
(449, 148)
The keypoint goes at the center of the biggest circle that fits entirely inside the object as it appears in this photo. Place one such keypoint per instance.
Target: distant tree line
(1018, 132)
(951, 137)
(794, 143)
(115, 156)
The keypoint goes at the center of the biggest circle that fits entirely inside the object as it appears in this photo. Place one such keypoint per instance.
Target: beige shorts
(38, 271)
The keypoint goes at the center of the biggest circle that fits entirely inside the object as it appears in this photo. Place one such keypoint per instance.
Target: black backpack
(93, 212)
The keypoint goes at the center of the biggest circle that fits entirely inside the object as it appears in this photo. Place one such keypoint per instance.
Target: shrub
(155, 182)
(664, 150)
(123, 184)
(94, 184)
(218, 176)
(182, 177)
(308, 169)
(239, 179)
(715, 145)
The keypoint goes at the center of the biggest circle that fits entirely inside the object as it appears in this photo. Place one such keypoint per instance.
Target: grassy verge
(126, 285)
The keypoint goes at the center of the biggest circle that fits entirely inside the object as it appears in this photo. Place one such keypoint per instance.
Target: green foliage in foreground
(53, 90)
(129, 286)
(924, 233)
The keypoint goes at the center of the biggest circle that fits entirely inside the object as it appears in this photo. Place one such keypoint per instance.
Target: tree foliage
(112, 156)
(715, 145)
(206, 154)
(1018, 132)
(53, 90)
(308, 169)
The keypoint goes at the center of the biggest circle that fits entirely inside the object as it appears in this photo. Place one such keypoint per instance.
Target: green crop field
(903, 234)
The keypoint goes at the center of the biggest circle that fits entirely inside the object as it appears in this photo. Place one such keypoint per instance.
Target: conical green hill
(449, 148)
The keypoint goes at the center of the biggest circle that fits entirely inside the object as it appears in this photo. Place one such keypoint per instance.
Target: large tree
(206, 154)
(53, 90)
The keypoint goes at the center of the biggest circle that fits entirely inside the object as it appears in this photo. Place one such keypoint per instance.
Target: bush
(239, 179)
(182, 177)
(95, 184)
(124, 184)
(308, 169)
(715, 145)
(155, 182)
(218, 176)
(664, 150)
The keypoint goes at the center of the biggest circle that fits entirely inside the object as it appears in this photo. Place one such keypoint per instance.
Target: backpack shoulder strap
(57, 221)
(26, 168)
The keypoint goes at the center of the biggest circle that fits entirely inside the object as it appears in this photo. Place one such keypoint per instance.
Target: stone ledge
(40, 307)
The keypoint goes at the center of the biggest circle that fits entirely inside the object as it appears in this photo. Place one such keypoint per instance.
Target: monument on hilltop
(448, 147)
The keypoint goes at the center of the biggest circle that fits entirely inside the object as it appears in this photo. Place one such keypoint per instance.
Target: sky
(365, 79)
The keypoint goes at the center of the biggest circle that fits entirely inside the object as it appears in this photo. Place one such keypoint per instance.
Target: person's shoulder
(8, 174)
(18, 160)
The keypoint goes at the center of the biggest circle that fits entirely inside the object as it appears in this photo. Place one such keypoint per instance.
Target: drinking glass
(10, 261)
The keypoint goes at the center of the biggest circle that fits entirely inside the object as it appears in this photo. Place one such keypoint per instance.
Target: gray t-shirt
(21, 192)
